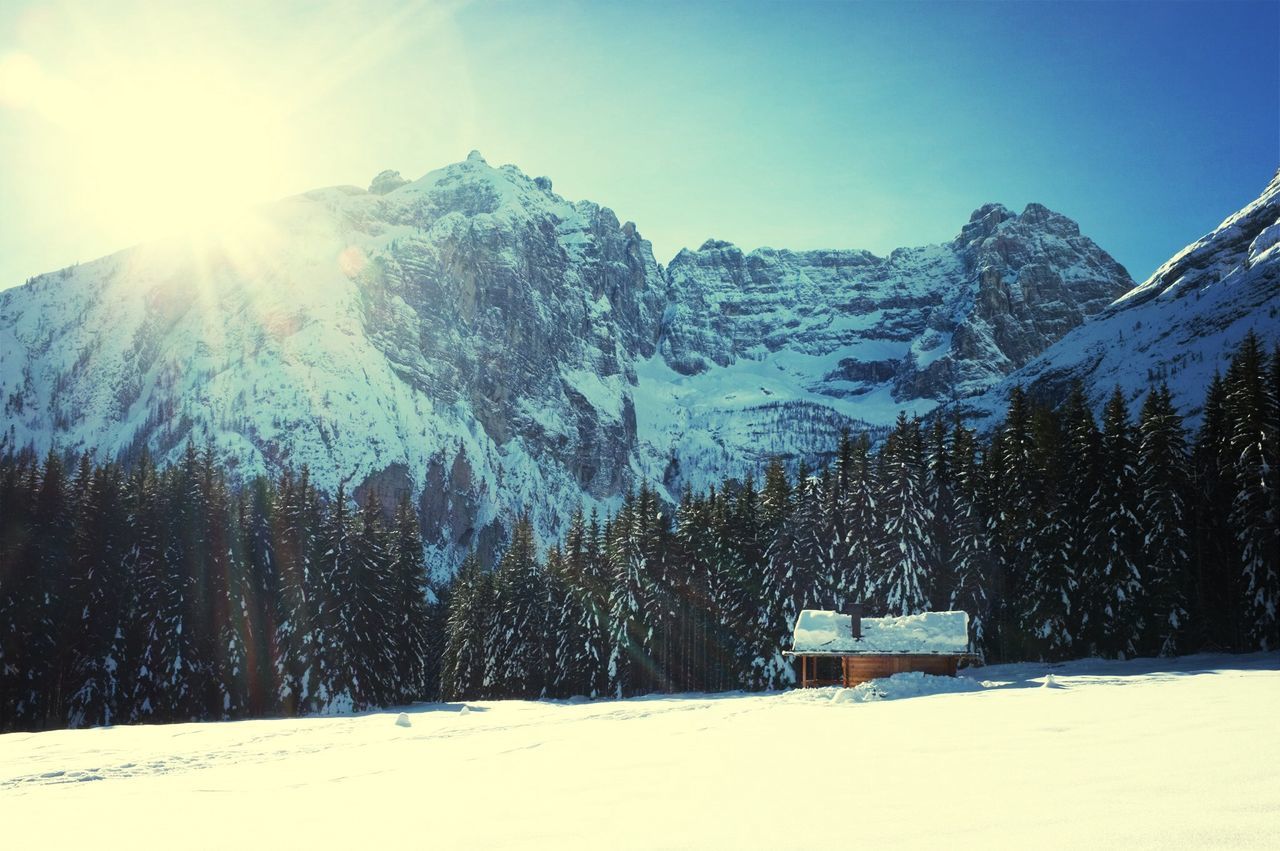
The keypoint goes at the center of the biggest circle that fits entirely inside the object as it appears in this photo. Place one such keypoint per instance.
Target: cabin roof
(820, 633)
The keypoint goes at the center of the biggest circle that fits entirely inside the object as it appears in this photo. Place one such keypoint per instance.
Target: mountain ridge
(477, 341)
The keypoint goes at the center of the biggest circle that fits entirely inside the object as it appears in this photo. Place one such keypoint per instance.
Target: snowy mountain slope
(489, 347)
(1166, 753)
(848, 339)
(1180, 325)
(467, 337)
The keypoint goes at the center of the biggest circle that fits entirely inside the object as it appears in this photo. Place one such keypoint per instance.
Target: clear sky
(799, 125)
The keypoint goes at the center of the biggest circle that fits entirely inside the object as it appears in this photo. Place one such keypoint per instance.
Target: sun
(158, 147)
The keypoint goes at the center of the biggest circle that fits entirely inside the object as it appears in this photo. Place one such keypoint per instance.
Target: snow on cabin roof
(931, 632)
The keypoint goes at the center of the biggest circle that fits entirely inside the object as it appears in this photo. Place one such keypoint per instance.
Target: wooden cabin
(844, 648)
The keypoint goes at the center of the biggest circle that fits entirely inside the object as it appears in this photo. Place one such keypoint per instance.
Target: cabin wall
(859, 669)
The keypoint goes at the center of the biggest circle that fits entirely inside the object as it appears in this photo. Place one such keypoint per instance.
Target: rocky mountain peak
(1042, 217)
(386, 181)
(717, 245)
(983, 222)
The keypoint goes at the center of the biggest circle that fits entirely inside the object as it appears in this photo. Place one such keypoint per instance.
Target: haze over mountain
(490, 347)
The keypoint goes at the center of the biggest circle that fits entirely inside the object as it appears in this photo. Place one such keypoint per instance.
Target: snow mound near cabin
(909, 684)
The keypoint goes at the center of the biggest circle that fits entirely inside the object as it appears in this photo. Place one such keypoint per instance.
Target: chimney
(854, 611)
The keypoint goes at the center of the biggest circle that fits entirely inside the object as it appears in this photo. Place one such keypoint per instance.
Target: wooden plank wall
(859, 669)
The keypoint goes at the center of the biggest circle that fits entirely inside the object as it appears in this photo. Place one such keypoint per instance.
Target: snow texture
(1161, 754)
(929, 632)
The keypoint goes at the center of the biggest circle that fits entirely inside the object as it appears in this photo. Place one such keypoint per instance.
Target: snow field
(1148, 753)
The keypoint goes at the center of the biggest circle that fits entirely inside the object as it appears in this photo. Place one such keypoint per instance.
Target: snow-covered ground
(1151, 753)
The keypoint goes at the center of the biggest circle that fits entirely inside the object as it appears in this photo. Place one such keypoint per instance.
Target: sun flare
(167, 151)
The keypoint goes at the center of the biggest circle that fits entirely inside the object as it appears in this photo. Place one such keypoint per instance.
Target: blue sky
(794, 125)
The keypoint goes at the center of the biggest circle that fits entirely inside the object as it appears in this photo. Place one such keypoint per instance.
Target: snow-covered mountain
(774, 352)
(1180, 326)
(489, 347)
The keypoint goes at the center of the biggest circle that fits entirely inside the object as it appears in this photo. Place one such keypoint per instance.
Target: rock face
(773, 352)
(1179, 326)
(488, 347)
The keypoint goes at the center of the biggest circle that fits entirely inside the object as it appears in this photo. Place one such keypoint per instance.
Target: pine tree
(297, 627)
(1043, 610)
(159, 608)
(19, 587)
(1252, 445)
(633, 598)
(98, 649)
(940, 494)
(902, 559)
(1114, 579)
(860, 519)
(1164, 516)
(411, 616)
(256, 541)
(368, 610)
(971, 574)
(523, 628)
(53, 621)
(737, 576)
(1218, 598)
(471, 605)
(333, 627)
(1012, 522)
(1081, 475)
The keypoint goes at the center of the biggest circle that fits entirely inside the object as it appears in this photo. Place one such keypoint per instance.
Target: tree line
(145, 594)
(164, 595)
(1061, 536)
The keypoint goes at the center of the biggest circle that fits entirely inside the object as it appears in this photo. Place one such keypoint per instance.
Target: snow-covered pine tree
(1165, 517)
(98, 559)
(694, 556)
(1012, 521)
(1250, 412)
(738, 581)
(860, 519)
(940, 493)
(183, 670)
(228, 618)
(335, 554)
(471, 604)
(1043, 611)
(62, 602)
(522, 618)
(1080, 482)
(301, 586)
(902, 558)
(1114, 580)
(159, 608)
(584, 610)
(411, 615)
(775, 498)
(566, 635)
(1218, 595)
(369, 610)
(19, 581)
(783, 572)
(632, 598)
(971, 569)
(257, 541)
